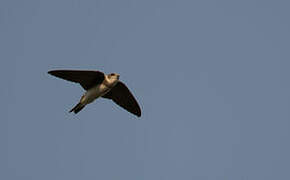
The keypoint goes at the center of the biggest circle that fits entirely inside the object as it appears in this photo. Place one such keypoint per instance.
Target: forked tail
(77, 108)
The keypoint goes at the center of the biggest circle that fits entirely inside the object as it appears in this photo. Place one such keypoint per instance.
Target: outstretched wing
(87, 79)
(121, 95)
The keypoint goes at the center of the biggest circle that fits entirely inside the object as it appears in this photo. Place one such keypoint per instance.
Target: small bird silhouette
(97, 84)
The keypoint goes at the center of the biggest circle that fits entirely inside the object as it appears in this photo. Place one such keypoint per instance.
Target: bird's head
(112, 79)
(113, 76)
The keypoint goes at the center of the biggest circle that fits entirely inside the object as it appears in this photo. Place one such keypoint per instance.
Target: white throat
(110, 82)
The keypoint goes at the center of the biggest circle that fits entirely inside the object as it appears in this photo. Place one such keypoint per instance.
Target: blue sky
(211, 77)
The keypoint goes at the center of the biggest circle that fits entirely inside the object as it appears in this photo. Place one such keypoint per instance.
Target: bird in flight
(97, 84)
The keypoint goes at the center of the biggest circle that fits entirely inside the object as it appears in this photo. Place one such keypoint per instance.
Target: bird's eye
(112, 74)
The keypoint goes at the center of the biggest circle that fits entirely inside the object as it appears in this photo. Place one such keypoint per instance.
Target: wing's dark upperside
(87, 79)
(122, 96)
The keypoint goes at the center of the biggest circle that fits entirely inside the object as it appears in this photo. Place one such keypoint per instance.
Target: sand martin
(97, 84)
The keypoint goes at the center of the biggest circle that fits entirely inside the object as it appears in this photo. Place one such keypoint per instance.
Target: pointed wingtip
(50, 72)
(138, 114)
(54, 72)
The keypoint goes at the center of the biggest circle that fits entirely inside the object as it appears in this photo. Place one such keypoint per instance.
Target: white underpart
(98, 90)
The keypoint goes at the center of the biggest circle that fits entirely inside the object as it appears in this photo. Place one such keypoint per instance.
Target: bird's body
(97, 84)
(94, 93)
(98, 90)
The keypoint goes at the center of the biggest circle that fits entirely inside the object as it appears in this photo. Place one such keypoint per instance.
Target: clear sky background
(212, 78)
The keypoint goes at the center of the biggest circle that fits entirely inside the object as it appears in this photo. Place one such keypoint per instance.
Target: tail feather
(77, 108)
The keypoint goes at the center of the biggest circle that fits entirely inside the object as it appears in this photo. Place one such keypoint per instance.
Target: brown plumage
(97, 84)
